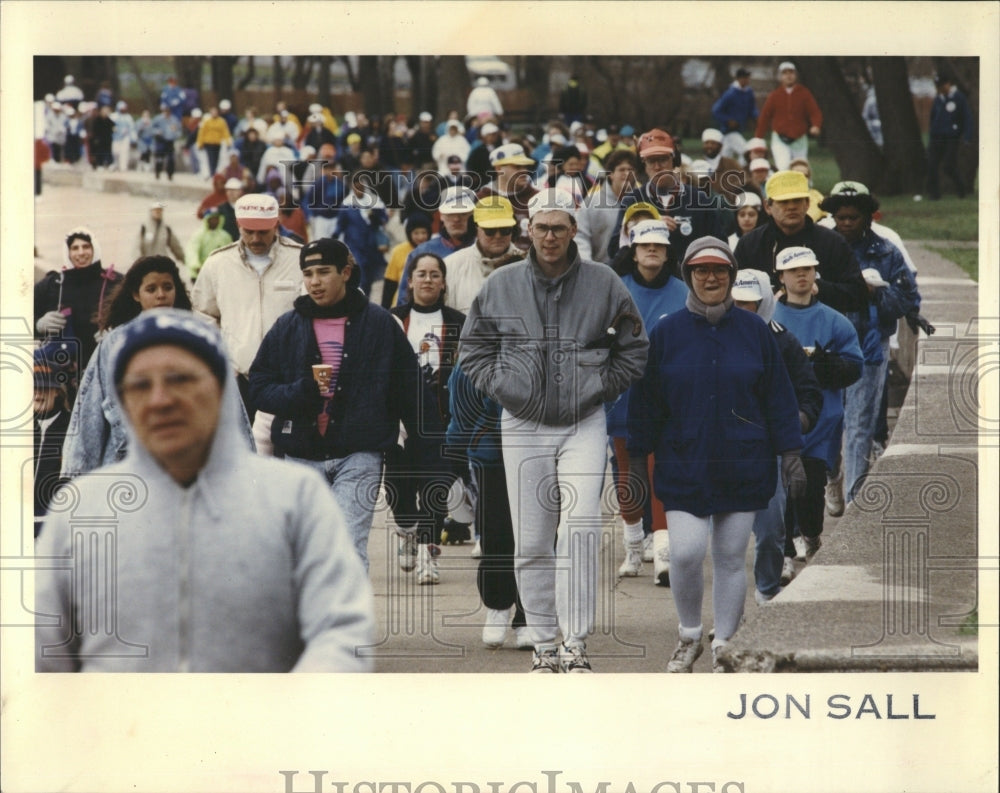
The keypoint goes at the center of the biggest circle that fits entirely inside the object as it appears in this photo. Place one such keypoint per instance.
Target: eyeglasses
(174, 383)
(541, 230)
(506, 231)
(701, 273)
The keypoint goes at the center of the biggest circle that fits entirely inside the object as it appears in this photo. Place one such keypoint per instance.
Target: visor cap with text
(257, 211)
(797, 256)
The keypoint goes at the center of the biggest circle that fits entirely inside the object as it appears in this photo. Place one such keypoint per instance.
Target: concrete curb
(898, 575)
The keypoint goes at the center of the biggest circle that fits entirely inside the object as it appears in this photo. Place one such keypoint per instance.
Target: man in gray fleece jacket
(552, 338)
(193, 554)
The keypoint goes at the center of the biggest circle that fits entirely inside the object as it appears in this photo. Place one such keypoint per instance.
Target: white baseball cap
(786, 66)
(551, 200)
(747, 286)
(756, 143)
(711, 134)
(654, 231)
(257, 211)
(797, 256)
(234, 184)
(510, 154)
(760, 164)
(457, 200)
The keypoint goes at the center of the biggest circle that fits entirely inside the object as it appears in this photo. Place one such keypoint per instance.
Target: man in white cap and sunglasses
(552, 338)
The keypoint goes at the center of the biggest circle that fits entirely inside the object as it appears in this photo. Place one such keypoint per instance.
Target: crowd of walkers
(714, 329)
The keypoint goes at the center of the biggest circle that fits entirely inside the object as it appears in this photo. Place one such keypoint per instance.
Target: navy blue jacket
(377, 386)
(736, 104)
(951, 117)
(715, 407)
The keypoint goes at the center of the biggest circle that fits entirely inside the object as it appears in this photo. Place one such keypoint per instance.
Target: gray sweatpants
(555, 476)
(689, 535)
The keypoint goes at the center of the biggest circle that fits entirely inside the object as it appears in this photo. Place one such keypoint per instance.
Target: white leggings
(730, 533)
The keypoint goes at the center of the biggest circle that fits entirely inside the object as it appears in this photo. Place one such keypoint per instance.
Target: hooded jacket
(97, 433)
(248, 569)
(540, 346)
(203, 243)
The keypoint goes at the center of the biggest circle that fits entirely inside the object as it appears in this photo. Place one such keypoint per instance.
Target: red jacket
(789, 113)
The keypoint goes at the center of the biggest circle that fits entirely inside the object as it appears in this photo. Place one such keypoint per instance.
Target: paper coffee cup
(322, 372)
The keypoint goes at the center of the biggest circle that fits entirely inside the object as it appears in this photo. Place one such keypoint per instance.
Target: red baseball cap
(656, 142)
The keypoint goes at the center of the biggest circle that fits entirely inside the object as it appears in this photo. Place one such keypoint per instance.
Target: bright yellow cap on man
(787, 185)
(494, 212)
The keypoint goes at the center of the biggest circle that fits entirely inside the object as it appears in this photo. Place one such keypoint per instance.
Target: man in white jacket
(245, 287)
(204, 557)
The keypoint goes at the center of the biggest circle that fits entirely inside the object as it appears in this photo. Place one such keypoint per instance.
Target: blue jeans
(769, 531)
(355, 482)
(862, 402)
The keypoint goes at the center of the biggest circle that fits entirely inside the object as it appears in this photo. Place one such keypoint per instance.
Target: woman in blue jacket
(714, 407)
(647, 276)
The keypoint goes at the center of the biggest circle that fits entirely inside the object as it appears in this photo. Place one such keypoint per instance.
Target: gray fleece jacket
(249, 569)
(541, 348)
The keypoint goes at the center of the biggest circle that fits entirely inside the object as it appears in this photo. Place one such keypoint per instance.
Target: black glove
(793, 475)
(917, 322)
(833, 371)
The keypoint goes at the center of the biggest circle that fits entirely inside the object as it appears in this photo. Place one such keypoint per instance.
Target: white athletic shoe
(801, 548)
(687, 652)
(632, 565)
(647, 548)
(406, 549)
(787, 571)
(661, 557)
(477, 550)
(521, 639)
(495, 629)
(427, 567)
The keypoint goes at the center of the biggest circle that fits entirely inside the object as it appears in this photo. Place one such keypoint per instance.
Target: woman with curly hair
(96, 434)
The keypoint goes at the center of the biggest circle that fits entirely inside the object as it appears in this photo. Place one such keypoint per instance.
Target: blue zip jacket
(736, 104)
(715, 407)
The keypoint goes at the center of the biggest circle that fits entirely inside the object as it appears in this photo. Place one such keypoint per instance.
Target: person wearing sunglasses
(494, 247)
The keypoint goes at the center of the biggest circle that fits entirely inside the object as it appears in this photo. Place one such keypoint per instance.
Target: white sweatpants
(555, 477)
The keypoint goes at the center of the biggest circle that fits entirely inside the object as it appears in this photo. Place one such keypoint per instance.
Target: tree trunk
(535, 79)
(188, 68)
(302, 73)
(453, 85)
(418, 89)
(251, 73)
(387, 83)
(277, 77)
(323, 81)
(904, 160)
(844, 131)
(371, 89)
(150, 95)
(352, 77)
(723, 77)
(222, 76)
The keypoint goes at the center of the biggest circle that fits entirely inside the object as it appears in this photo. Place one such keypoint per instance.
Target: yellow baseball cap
(494, 212)
(787, 185)
(641, 206)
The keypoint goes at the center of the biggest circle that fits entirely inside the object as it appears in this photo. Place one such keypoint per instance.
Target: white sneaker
(495, 629)
(522, 640)
(834, 496)
(661, 557)
(647, 548)
(801, 548)
(787, 571)
(687, 652)
(573, 658)
(761, 598)
(427, 566)
(406, 550)
(546, 659)
(717, 665)
(632, 565)
(477, 550)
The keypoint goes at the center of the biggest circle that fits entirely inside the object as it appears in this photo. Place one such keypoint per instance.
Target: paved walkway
(887, 590)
